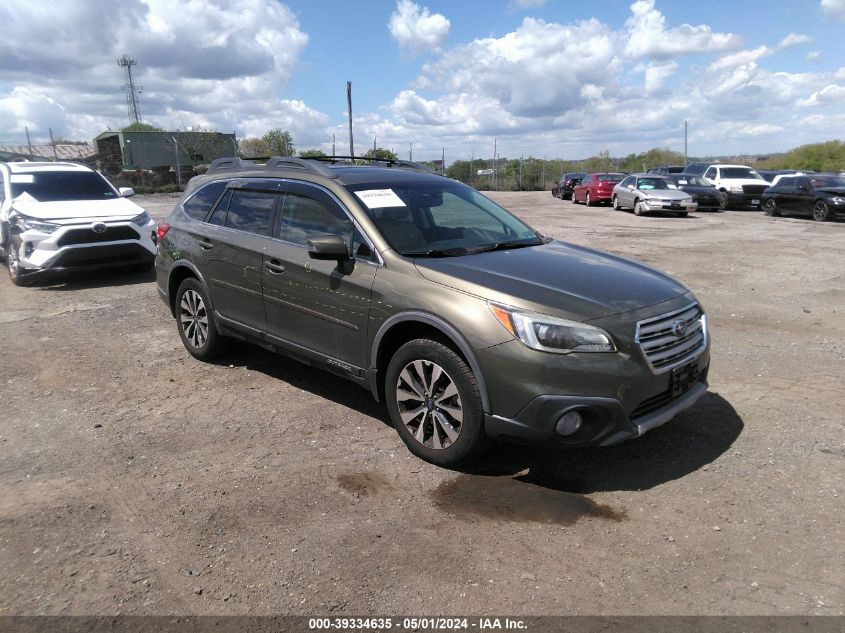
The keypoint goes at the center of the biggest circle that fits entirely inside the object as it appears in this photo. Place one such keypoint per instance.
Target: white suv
(744, 186)
(64, 216)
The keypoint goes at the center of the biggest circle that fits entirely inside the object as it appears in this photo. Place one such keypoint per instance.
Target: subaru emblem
(98, 227)
(679, 328)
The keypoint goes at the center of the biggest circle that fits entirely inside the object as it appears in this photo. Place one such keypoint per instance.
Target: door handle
(206, 245)
(274, 266)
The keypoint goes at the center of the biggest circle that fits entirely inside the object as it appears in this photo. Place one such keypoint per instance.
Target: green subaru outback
(465, 321)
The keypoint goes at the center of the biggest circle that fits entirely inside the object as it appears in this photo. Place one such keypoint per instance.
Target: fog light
(569, 423)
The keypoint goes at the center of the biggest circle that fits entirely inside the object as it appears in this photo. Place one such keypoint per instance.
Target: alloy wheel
(429, 404)
(193, 318)
(13, 262)
(820, 211)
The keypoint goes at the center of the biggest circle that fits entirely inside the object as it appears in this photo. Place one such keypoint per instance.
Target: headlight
(550, 334)
(686, 200)
(142, 219)
(837, 200)
(28, 224)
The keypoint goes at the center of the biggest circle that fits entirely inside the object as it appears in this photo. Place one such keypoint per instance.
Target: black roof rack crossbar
(301, 163)
(389, 161)
(229, 162)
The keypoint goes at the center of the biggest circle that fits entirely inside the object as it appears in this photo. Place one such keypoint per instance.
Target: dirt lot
(135, 479)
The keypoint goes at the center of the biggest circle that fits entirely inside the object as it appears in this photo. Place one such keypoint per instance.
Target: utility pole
(411, 151)
(520, 172)
(544, 172)
(686, 160)
(349, 103)
(333, 141)
(374, 146)
(443, 162)
(53, 143)
(495, 167)
(28, 144)
(130, 89)
(178, 166)
(471, 159)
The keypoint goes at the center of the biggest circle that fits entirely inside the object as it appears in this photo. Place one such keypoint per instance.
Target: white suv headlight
(28, 224)
(142, 219)
(550, 334)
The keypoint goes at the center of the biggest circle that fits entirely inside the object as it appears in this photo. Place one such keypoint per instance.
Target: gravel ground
(136, 480)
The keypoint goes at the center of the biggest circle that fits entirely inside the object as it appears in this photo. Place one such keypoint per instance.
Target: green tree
(312, 153)
(382, 153)
(253, 148)
(141, 127)
(279, 142)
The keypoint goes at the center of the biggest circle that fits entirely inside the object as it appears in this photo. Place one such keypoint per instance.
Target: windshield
(741, 172)
(695, 181)
(652, 183)
(440, 218)
(50, 186)
(828, 181)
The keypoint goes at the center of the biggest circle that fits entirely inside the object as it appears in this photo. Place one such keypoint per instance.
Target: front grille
(88, 236)
(671, 339)
(754, 189)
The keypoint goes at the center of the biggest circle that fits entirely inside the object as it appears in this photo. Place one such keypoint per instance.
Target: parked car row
(705, 186)
(567, 183)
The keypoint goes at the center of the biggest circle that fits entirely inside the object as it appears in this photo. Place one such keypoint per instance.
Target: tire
(615, 203)
(418, 377)
(574, 199)
(821, 212)
(683, 214)
(13, 264)
(770, 207)
(195, 321)
(587, 200)
(639, 208)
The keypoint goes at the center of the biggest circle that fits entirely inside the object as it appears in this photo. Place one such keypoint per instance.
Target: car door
(803, 197)
(581, 189)
(623, 192)
(231, 247)
(785, 195)
(321, 305)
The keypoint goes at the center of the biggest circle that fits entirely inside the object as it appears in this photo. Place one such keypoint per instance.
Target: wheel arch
(181, 271)
(407, 326)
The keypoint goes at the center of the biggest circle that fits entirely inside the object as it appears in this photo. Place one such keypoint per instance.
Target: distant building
(80, 152)
(150, 150)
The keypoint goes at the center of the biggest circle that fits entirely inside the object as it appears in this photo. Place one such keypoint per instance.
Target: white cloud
(814, 57)
(834, 8)
(656, 76)
(649, 37)
(741, 58)
(795, 39)
(831, 93)
(526, 4)
(416, 29)
(219, 65)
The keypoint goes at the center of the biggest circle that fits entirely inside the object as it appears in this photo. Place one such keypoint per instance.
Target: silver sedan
(645, 193)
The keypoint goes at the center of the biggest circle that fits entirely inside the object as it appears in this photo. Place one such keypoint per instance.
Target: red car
(595, 188)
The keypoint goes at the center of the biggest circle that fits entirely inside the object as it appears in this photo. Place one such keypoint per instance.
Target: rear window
(609, 177)
(50, 186)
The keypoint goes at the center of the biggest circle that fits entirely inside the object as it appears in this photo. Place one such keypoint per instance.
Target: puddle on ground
(364, 484)
(475, 497)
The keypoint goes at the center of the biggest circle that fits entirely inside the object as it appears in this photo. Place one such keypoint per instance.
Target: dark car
(696, 168)
(708, 197)
(464, 320)
(567, 183)
(595, 188)
(665, 170)
(821, 196)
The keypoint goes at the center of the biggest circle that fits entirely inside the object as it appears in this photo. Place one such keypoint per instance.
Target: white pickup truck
(743, 186)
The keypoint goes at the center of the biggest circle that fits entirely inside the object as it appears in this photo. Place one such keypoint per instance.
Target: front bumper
(740, 199)
(670, 207)
(79, 248)
(709, 201)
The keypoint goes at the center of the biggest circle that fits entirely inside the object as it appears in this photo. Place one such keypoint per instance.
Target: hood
(114, 208)
(664, 194)
(559, 279)
(698, 188)
(836, 191)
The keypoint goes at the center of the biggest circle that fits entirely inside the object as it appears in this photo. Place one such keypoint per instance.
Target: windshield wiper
(437, 252)
(500, 246)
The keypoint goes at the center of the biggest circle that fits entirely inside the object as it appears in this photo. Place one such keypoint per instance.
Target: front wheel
(821, 212)
(435, 403)
(770, 207)
(13, 263)
(639, 208)
(195, 319)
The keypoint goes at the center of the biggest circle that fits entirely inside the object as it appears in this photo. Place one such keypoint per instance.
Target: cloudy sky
(551, 78)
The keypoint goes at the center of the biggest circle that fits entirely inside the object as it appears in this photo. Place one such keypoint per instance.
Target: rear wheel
(616, 205)
(195, 319)
(587, 200)
(770, 207)
(574, 199)
(434, 403)
(821, 212)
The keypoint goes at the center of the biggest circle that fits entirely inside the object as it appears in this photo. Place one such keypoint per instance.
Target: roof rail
(229, 162)
(300, 163)
(390, 162)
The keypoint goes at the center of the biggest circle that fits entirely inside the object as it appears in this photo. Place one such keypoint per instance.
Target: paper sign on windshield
(22, 179)
(379, 198)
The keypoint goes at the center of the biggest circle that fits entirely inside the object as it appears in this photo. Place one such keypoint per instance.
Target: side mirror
(328, 247)
(126, 192)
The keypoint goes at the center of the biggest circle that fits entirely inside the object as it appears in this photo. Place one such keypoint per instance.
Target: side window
(711, 173)
(802, 182)
(305, 216)
(627, 182)
(251, 211)
(218, 217)
(786, 182)
(2, 189)
(198, 205)
(586, 180)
